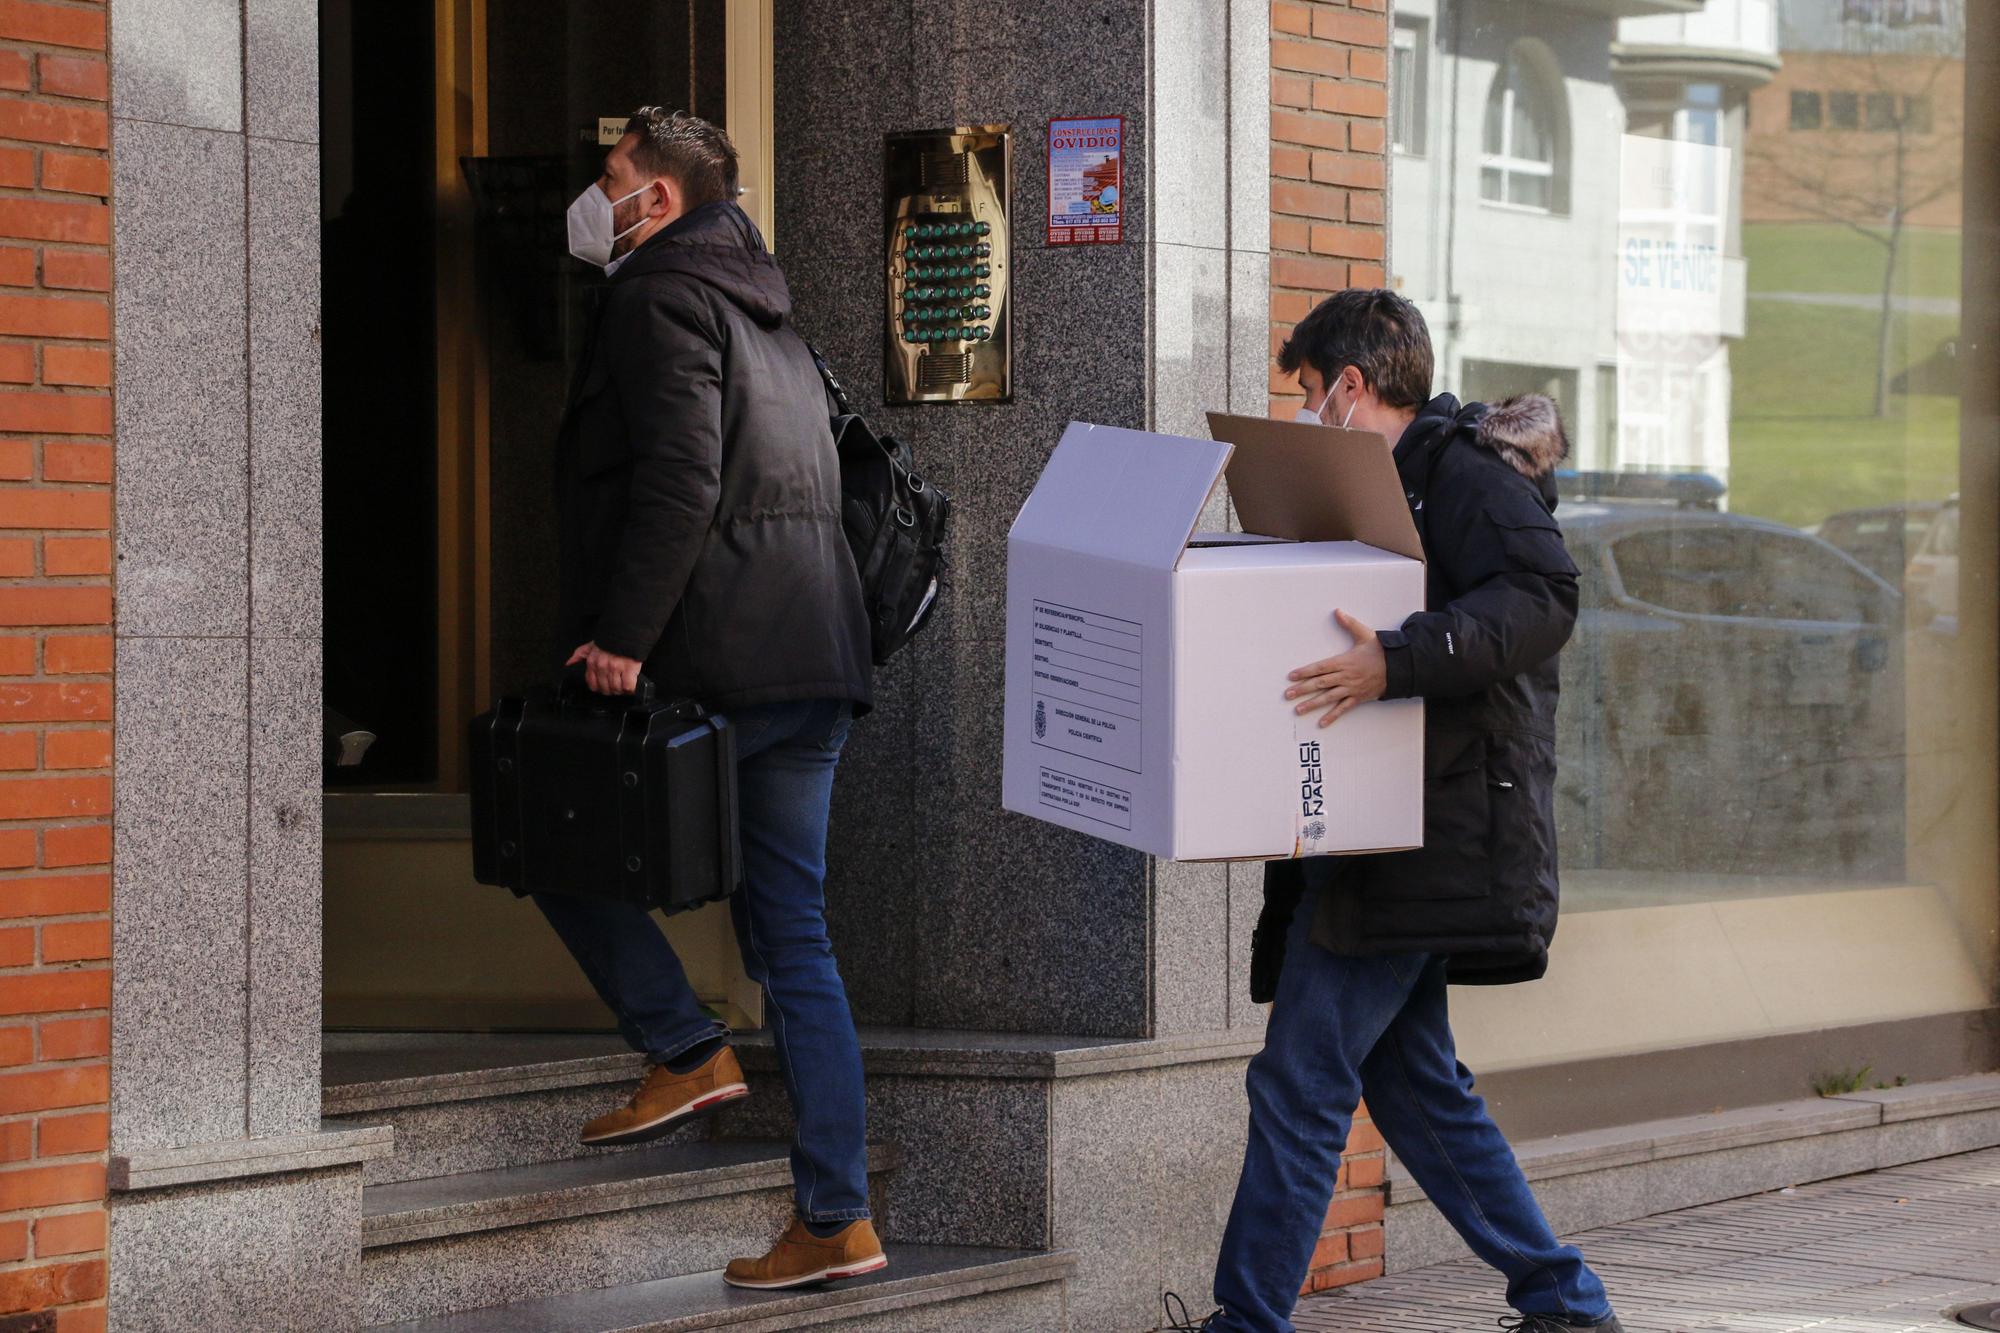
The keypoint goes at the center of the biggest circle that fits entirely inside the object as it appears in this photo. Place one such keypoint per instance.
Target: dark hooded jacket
(1501, 597)
(697, 485)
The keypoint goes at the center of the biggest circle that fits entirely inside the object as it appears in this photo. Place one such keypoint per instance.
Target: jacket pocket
(1456, 858)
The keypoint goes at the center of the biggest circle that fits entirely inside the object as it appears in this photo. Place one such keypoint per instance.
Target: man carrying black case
(699, 508)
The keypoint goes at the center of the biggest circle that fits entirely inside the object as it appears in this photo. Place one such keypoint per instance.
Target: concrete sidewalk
(1875, 1253)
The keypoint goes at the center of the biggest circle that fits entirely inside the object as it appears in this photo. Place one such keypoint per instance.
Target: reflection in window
(1805, 111)
(1845, 110)
(1881, 111)
(1520, 164)
(1408, 85)
(1917, 114)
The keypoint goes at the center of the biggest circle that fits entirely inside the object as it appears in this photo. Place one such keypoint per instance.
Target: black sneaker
(1177, 1316)
(1543, 1323)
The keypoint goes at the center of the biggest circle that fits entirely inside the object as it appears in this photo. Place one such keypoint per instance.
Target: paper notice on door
(1087, 684)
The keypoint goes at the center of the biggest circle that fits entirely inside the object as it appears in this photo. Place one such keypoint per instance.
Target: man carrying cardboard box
(1356, 951)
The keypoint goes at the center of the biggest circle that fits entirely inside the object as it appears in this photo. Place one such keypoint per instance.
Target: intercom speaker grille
(942, 370)
(946, 171)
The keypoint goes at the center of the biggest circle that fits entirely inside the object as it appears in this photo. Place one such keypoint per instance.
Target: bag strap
(834, 390)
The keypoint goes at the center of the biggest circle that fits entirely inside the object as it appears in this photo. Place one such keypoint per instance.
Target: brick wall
(1329, 165)
(55, 661)
(1329, 169)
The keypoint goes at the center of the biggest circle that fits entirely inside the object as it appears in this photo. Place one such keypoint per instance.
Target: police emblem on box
(1041, 720)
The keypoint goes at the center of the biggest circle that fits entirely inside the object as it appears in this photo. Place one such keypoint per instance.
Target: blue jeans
(1340, 1025)
(786, 755)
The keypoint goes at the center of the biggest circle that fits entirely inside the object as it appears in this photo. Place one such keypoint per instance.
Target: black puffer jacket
(698, 487)
(1502, 596)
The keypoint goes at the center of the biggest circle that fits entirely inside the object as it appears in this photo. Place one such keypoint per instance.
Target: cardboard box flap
(1316, 483)
(1122, 494)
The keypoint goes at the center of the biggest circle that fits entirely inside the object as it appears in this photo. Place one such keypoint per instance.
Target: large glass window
(1750, 296)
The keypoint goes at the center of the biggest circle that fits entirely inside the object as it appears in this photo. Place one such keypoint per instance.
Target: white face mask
(590, 224)
(1316, 417)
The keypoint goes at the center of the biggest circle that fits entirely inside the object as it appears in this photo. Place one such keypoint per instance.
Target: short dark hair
(1377, 332)
(686, 149)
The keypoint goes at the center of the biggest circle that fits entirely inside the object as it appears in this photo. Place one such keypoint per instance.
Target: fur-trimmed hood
(1527, 431)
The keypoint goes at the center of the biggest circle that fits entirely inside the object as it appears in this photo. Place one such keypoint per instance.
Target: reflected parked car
(1883, 537)
(1931, 581)
(1732, 699)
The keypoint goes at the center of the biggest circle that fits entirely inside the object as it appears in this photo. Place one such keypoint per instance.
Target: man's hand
(1357, 676)
(606, 673)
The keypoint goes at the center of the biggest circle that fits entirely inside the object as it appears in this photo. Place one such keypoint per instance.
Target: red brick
(17, 460)
(53, 1089)
(17, 655)
(17, 1140)
(17, 266)
(1318, 275)
(1347, 242)
(76, 270)
(1374, 6)
(80, 1319)
(13, 1241)
(1292, 18)
(1359, 173)
(75, 1038)
(67, 604)
(15, 71)
(56, 316)
(63, 461)
(1361, 207)
(1305, 57)
(1343, 99)
(17, 168)
(1334, 25)
(69, 1233)
(1362, 1172)
(42, 220)
(1312, 131)
(54, 798)
(1367, 136)
(69, 701)
(1290, 162)
(55, 413)
(17, 750)
(17, 366)
(17, 848)
(17, 557)
(76, 173)
(1290, 307)
(76, 941)
(89, 366)
(22, 507)
(17, 1044)
(1289, 234)
(52, 1284)
(55, 895)
(74, 655)
(1330, 1251)
(17, 949)
(68, 1135)
(1345, 1275)
(76, 845)
(1312, 201)
(1365, 1243)
(75, 76)
(1366, 275)
(54, 122)
(1291, 90)
(63, 556)
(1370, 65)
(1354, 1210)
(52, 25)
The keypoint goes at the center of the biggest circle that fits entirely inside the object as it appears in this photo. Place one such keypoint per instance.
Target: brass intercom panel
(945, 220)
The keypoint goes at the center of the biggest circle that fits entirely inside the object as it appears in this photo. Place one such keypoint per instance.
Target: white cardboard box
(1146, 671)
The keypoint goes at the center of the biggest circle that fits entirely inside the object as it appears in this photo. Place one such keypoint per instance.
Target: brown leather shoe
(800, 1259)
(666, 1101)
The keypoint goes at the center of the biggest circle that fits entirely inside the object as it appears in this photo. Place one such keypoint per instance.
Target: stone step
(458, 1242)
(462, 1102)
(925, 1289)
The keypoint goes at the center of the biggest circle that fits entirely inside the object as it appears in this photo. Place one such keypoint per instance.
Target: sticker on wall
(1087, 181)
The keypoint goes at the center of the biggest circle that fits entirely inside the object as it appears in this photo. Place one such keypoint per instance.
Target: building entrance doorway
(454, 136)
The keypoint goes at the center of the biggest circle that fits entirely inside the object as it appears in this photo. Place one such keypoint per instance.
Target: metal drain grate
(1985, 1314)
